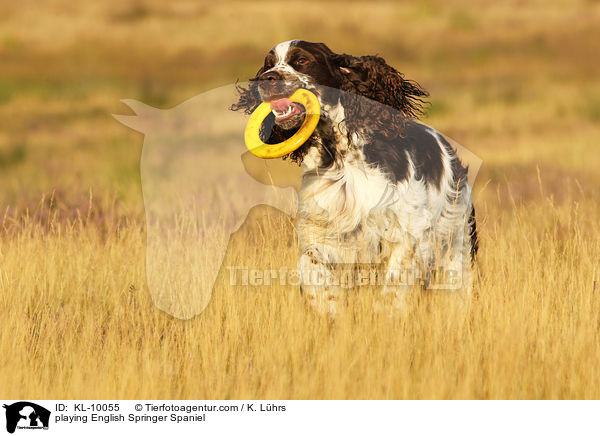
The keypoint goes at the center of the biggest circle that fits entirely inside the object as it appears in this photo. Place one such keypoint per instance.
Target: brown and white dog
(378, 187)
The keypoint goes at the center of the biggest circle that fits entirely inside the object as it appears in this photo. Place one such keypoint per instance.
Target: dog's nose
(271, 84)
(270, 75)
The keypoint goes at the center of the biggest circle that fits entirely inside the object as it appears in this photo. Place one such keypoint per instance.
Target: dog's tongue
(281, 105)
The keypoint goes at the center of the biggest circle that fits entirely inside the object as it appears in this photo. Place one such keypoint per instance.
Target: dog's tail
(473, 234)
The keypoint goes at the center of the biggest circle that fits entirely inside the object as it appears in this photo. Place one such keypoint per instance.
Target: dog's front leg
(401, 271)
(318, 284)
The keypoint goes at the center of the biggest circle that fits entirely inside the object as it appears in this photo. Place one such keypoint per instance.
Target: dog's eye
(301, 61)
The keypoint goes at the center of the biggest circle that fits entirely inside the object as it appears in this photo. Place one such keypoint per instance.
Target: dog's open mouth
(287, 113)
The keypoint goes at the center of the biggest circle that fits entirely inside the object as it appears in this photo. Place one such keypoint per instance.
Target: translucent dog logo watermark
(199, 182)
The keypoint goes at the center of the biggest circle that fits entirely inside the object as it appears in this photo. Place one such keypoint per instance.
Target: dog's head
(359, 97)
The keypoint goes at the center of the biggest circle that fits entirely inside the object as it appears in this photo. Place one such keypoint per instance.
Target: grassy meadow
(515, 82)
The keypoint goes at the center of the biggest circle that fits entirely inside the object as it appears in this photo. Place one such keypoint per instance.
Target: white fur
(286, 70)
(353, 213)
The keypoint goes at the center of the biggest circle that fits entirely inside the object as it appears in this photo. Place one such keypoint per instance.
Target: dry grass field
(515, 82)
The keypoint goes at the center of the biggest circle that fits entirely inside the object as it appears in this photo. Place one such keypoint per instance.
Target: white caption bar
(300, 417)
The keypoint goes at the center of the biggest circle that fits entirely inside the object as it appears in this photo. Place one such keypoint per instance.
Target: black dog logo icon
(24, 414)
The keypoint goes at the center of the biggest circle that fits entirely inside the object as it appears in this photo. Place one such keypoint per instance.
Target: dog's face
(359, 96)
(292, 65)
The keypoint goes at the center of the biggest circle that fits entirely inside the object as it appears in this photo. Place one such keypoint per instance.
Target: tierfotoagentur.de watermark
(344, 277)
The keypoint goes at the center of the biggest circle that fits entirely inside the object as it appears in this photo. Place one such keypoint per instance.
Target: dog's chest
(355, 200)
(341, 199)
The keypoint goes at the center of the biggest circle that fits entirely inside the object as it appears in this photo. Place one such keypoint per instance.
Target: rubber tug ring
(271, 151)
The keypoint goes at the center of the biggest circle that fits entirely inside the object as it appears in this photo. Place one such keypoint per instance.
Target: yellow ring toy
(271, 151)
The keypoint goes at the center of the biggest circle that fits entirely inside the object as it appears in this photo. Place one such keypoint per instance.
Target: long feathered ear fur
(249, 97)
(373, 78)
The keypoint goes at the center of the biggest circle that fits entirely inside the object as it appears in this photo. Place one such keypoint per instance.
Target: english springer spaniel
(377, 187)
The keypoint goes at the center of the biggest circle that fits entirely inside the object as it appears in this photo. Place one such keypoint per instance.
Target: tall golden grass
(78, 321)
(515, 83)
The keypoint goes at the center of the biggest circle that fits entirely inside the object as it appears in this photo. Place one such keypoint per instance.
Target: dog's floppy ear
(372, 78)
(348, 68)
(249, 97)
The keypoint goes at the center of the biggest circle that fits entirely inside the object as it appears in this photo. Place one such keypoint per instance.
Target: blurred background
(516, 82)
